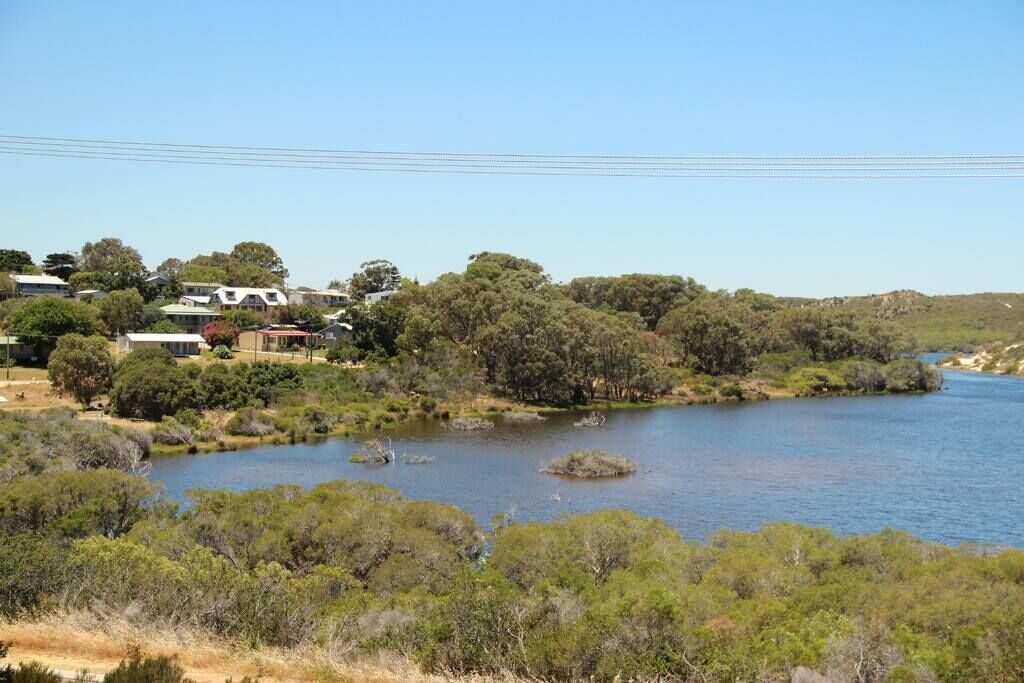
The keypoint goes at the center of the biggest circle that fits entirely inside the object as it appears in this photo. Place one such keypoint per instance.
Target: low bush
(137, 669)
(815, 380)
(250, 422)
(222, 352)
(731, 391)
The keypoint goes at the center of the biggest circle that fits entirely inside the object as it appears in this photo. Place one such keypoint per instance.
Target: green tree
(164, 327)
(14, 261)
(150, 388)
(122, 311)
(81, 366)
(107, 255)
(243, 319)
(197, 272)
(378, 275)
(260, 255)
(42, 320)
(711, 334)
(171, 267)
(62, 265)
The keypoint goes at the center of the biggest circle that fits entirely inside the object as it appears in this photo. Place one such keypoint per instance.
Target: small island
(590, 464)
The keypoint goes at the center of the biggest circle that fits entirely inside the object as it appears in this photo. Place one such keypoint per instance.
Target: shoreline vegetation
(346, 572)
(997, 359)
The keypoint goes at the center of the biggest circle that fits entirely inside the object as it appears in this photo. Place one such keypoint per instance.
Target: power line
(762, 167)
(121, 150)
(517, 154)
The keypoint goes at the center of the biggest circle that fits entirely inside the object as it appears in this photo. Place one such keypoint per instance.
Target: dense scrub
(34, 442)
(350, 567)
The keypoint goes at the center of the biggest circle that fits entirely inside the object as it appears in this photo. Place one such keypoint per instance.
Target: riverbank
(484, 407)
(997, 359)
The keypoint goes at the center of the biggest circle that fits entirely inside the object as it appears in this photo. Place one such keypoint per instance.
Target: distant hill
(944, 323)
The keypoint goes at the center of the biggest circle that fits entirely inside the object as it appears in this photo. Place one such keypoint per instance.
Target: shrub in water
(590, 464)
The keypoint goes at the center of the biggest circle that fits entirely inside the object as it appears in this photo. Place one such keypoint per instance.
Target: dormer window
(229, 295)
(271, 296)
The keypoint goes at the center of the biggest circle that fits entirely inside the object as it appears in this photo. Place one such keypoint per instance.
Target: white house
(199, 288)
(319, 297)
(375, 297)
(39, 285)
(261, 301)
(89, 294)
(191, 319)
(177, 344)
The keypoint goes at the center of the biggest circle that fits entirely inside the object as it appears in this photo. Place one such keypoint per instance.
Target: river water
(947, 466)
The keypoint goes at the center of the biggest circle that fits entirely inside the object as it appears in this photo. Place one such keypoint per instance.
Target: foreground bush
(349, 568)
(35, 442)
(590, 464)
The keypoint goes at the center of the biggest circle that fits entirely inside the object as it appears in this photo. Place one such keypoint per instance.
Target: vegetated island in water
(590, 464)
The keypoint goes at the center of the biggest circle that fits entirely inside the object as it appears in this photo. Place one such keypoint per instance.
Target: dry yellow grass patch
(72, 642)
(38, 394)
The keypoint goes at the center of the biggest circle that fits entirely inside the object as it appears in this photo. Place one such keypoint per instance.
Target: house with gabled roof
(39, 285)
(191, 319)
(258, 300)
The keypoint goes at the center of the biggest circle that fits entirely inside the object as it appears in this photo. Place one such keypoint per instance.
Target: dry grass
(75, 641)
(38, 394)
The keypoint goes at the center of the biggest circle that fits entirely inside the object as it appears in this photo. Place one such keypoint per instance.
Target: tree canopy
(378, 275)
(42, 320)
(14, 260)
(81, 366)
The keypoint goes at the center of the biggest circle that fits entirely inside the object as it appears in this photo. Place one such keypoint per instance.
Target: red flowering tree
(221, 333)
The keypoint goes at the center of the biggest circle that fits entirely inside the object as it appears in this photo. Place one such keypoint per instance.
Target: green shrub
(815, 380)
(221, 351)
(161, 669)
(731, 391)
(908, 374)
(863, 376)
(428, 404)
(33, 672)
(250, 422)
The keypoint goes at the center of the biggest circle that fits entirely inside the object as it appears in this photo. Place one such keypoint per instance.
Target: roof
(284, 333)
(154, 337)
(324, 292)
(37, 280)
(9, 340)
(215, 285)
(89, 291)
(344, 325)
(241, 293)
(199, 299)
(182, 309)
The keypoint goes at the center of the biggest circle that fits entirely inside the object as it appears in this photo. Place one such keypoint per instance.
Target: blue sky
(797, 78)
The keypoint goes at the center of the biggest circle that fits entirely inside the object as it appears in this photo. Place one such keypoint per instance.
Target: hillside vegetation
(943, 323)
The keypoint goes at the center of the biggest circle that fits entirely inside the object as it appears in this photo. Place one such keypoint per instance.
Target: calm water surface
(948, 466)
